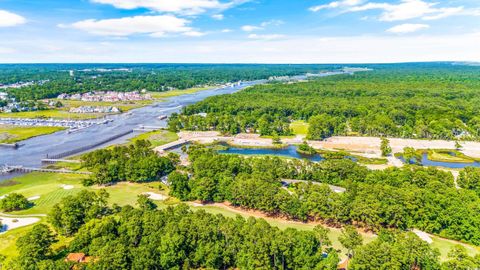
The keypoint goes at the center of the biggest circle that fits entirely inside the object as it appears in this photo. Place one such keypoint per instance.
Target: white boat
(163, 117)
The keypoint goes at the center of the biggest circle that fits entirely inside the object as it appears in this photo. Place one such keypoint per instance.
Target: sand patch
(155, 196)
(66, 187)
(33, 198)
(423, 235)
(3, 197)
(10, 223)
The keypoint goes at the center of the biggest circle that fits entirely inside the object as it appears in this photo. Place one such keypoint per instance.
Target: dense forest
(435, 101)
(179, 238)
(80, 78)
(403, 198)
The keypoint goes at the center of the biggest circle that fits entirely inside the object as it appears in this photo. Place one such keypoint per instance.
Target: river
(33, 150)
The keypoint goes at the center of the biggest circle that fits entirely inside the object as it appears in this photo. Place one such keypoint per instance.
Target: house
(75, 257)
(343, 265)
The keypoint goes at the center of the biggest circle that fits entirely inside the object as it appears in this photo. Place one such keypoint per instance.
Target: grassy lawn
(49, 187)
(13, 134)
(158, 137)
(299, 127)
(446, 155)
(174, 93)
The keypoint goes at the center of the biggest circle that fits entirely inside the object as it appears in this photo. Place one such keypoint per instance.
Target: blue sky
(239, 31)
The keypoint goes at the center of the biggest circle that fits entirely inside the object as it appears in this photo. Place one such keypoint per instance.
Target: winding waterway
(35, 149)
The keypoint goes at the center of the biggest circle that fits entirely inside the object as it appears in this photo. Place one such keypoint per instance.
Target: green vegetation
(14, 202)
(448, 155)
(299, 127)
(135, 163)
(13, 134)
(401, 198)
(129, 77)
(157, 138)
(469, 178)
(433, 101)
(385, 147)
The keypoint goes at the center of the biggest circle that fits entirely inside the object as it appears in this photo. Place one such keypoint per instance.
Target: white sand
(33, 198)
(3, 197)
(10, 223)
(67, 187)
(155, 196)
(423, 235)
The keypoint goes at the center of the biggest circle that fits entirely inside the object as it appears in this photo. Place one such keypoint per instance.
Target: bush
(14, 202)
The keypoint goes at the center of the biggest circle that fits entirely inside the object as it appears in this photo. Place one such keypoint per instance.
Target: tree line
(135, 77)
(439, 102)
(179, 238)
(403, 198)
(136, 162)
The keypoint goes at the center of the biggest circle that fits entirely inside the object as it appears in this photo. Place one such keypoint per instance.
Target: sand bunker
(67, 186)
(423, 235)
(10, 223)
(155, 196)
(33, 198)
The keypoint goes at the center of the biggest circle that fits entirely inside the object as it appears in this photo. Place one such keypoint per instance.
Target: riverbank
(13, 134)
(124, 106)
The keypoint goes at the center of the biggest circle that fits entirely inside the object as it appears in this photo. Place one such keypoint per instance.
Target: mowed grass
(174, 93)
(299, 127)
(157, 138)
(444, 155)
(50, 188)
(13, 134)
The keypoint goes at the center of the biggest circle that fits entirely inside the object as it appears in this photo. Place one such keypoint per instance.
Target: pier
(51, 160)
(172, 145)
(10, 145)
(87, 147)
(10, 169)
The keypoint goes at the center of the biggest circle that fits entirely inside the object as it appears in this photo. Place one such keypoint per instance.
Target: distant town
(109, 96)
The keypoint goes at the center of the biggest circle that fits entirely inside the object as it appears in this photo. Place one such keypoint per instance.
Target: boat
(163, 117)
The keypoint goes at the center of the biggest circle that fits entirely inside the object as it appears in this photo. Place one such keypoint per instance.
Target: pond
(289, 152)
(451, 165)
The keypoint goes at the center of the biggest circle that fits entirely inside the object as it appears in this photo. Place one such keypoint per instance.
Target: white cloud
(194, 34)
(262, 26)
(409, 9)
(155, 26)
(226, 30)
(189, 7)
(336, 4)
(265, 37)
(8, 19)
(407, 28)
(272, 22)
(403, 10)
(294, 49)
(251, 28)
(218, 17)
